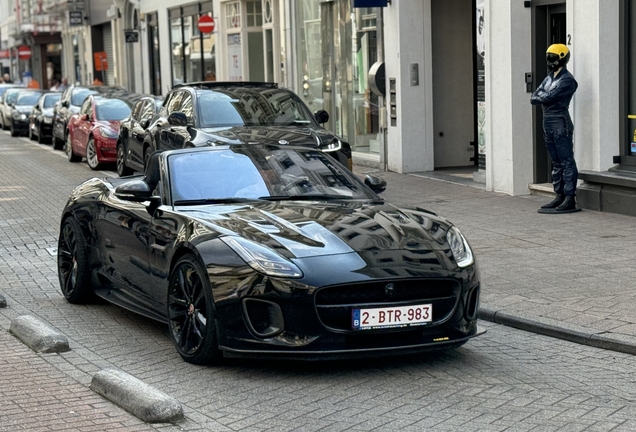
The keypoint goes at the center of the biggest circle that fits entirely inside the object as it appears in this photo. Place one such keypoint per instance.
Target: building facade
(413, 86)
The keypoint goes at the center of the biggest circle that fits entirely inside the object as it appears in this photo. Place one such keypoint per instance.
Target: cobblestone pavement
(504, 380)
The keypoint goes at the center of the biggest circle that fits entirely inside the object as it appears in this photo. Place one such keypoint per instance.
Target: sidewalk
(570, 276)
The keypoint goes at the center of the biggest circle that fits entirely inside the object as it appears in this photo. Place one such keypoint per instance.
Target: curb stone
(136, 397)
(38, 335)
(554, 329)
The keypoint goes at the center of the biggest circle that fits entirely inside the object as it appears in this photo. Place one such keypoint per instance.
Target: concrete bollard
(136, 397)
(38, 335)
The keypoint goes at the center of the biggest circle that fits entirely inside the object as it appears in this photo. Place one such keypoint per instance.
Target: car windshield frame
(263, 105)
(260, 172)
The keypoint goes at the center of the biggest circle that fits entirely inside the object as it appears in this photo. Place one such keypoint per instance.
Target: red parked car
(93, 131)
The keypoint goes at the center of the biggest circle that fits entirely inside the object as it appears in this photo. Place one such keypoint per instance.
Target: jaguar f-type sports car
(269, 250)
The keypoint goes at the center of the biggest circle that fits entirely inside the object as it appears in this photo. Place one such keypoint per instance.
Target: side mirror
(178, 118)
(322, 116)
(377, 184)
(144, 123)
(135, 190)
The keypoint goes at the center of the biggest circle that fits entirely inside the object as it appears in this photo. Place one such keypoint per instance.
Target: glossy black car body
(255, 249)
(21, 110)
(214, 113)
(130, 144)
(41, 118)
(69, 104)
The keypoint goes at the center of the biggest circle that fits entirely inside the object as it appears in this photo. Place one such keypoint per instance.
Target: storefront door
(549, 28)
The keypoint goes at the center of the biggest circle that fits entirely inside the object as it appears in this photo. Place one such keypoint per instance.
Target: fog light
(264, 318)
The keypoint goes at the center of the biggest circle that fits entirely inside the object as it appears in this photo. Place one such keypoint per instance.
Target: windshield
(78, 96)
(49, 100)
(28, 98)
(111, 109)
(252, 107)
(11, 96)
(262, 172)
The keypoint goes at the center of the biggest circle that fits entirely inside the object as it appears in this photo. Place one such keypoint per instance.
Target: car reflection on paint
(269, 250)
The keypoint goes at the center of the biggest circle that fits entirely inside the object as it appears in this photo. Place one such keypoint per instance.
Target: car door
(60, 113)
(138, 124)
(122, 233)
(166, 133)
(81, 126)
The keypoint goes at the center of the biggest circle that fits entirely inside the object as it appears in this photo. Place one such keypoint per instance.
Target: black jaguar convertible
(269, 250)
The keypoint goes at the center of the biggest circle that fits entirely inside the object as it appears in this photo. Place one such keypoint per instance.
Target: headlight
(333, 146)
(19, 116)
(262, 258)
(108, 133)
(459, 247)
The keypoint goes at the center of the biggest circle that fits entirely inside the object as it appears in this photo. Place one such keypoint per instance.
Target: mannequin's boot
(557, 201)
(567, 206)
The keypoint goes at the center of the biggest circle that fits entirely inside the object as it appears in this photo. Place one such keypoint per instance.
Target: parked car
(93, 131)
(4, 87)
(271, 250)
(41, 118)
(69, 104)
(215, 113)
(21, 110)
(6, 107)
(130, 144)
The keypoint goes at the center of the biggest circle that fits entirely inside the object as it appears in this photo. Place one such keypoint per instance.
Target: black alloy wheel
(122, 169)
(40, 137)
(14, 133)
(191, 313)
(73, 263)
(58, 144)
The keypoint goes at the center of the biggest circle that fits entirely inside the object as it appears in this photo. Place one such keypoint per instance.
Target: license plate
(402, 316)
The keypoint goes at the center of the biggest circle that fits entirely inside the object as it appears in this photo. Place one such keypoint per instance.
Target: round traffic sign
(206, 24)
(24, 52)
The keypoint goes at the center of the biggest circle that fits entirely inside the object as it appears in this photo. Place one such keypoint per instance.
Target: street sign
(101, 60)
(24, 52)
(206, 24)
(5, 54)
(132, 36)
(75, 18)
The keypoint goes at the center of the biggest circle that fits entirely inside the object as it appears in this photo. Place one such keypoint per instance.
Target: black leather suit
(554, 95)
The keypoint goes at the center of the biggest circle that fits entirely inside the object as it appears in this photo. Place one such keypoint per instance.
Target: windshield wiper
(309, 197)
(214, 201)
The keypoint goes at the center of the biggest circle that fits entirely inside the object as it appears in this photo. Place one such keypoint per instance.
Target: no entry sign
(24, 52)
(206, 24)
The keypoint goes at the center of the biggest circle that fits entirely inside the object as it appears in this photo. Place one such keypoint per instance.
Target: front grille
(335, 304)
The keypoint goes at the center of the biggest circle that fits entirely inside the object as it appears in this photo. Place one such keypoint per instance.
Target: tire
(191, 313)
(122, 169)
(91, 155)
(13, 131)
(147, 154)
(73, 264)
(72, 157)
(40, 137)
(31, 136)
(58, 144)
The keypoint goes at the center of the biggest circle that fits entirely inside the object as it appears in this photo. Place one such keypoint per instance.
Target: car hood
(109, 124)
(24, 109)
(47, 112)
(299, 229)
(292, 135)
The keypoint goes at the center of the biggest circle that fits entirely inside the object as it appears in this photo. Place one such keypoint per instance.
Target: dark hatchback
(69, 105)
(22, 107)
(269, 250)
(221, 113)
(41, 118)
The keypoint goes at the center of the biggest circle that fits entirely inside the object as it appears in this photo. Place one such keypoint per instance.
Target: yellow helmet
(557, 56)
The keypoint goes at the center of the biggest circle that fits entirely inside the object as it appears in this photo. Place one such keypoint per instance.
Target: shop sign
(24, 52)
(235, 57)
(369, 3)
(5, 54)
(132, 36)
(206, 24)
(75, 18)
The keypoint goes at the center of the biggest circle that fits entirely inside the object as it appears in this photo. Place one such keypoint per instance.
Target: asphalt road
(504, 380)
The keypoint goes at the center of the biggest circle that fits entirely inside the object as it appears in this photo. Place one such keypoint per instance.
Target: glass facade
(192, 52)
(154, 55)
(337, 45)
